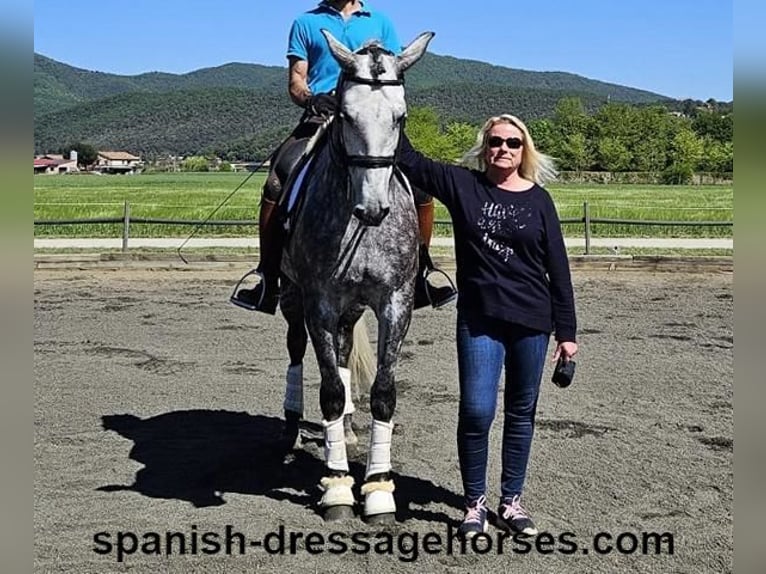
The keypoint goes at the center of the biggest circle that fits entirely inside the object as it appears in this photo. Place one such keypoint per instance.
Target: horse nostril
(359, 214)
(371, 220)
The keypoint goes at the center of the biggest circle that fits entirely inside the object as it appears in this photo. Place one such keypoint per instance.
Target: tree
(689, 108)
(654, 129)
(448, 144)
(195, 163)
(714, 124)
(543, 133)
(614, 129)
(570, 117)
(423, 130)
(573, 152)
(686, 150)
(613, 154)
(86, 153)
(460, 138)
(718, 158)
(649, 155)
(572, 127)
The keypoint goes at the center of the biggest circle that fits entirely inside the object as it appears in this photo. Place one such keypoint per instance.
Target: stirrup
(234, 296)
(252, 305)
(451, 287)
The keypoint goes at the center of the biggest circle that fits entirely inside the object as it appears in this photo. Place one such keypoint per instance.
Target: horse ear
(344, 56)
(413, 52)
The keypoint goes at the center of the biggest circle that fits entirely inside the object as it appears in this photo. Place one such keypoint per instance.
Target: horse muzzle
(370, 217)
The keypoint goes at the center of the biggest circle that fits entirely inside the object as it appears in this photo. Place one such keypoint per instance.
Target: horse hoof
(385, 519)
(335, 513)
(289, 442)
(290, 438)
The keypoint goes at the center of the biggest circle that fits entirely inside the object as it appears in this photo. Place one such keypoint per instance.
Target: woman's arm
(557, 266)
(434, 177)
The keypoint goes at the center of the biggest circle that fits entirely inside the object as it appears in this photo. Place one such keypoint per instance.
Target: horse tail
(361, 361)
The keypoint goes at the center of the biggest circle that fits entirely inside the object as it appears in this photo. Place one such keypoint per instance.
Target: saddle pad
(295, 188)
(295, 182)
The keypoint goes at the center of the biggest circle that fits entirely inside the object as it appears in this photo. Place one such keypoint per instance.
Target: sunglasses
(512, 143)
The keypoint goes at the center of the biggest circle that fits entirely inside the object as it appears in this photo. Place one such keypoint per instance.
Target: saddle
(292, 199)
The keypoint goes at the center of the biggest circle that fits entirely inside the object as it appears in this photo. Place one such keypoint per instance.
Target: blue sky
(677, 48)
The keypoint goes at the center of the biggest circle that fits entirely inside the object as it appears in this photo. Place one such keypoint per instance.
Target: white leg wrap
(379, 456)
(335, 445)
(294, 389)
(345, 376)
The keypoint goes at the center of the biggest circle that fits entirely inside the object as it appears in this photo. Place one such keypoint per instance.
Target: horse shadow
(198, 456)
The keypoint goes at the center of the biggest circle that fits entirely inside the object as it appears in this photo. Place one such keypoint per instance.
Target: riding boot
(425, 293)
(265, 296)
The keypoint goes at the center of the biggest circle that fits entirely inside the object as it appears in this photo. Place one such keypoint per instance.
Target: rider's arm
(298, 81)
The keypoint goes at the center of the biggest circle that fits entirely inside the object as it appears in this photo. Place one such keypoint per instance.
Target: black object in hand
(322, 104)
(563, 373)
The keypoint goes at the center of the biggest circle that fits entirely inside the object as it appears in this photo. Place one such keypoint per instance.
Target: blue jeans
(484, 346)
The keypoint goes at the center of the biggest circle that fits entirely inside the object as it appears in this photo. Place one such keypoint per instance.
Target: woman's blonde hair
(535, 166)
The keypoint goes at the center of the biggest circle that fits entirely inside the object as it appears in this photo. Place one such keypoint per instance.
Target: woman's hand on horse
(322, 104)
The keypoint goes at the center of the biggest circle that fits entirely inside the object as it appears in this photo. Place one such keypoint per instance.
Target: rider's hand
(322, 104)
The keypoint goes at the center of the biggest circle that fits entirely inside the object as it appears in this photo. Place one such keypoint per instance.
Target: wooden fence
(126, 220)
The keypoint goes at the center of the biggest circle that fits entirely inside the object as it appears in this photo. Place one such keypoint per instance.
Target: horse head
(370, 120)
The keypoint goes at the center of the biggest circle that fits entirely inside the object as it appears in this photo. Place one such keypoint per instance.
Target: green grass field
(193, 196)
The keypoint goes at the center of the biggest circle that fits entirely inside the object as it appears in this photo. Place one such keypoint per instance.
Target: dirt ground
(158, 405)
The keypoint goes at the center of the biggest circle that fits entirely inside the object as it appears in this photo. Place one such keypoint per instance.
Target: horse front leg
(337, 501)
(379, 504)
(291, 305)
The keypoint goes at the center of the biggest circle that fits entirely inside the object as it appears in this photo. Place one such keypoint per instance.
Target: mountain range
(223, 107)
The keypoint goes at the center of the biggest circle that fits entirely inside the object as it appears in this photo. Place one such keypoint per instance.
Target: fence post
(586, 218)
(125, 226)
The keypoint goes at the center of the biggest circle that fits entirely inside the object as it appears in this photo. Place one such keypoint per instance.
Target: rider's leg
(426, 293)
(272, 235)
(265, 296)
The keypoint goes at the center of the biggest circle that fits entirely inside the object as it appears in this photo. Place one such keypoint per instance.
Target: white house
(55, 163)
(117, 162)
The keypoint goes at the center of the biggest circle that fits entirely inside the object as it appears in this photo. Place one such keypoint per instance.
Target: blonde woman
(515, 290)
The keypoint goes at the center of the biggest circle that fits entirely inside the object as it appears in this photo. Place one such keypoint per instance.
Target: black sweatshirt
(510, 254)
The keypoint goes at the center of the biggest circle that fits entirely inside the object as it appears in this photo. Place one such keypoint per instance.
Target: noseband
(368, 161)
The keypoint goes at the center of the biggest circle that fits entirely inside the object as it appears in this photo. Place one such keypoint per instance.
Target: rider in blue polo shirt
(313, 75)
(353, 25)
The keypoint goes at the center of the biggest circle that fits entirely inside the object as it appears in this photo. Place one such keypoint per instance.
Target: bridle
(355, 160)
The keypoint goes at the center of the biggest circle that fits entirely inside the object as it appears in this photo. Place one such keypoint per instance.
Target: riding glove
(322, 105)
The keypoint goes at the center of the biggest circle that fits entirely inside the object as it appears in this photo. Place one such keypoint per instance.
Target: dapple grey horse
(354, 245)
